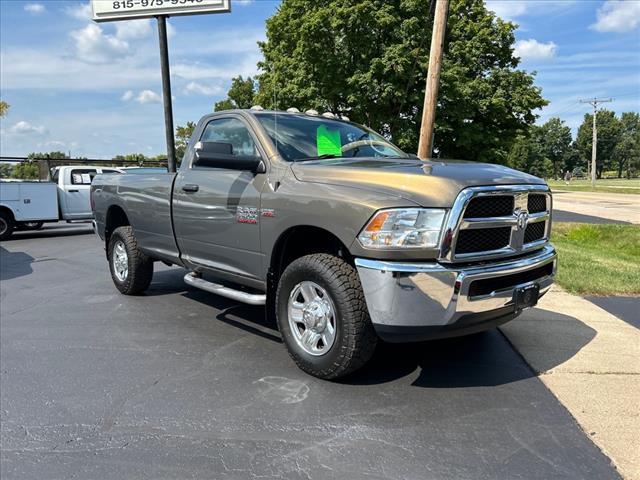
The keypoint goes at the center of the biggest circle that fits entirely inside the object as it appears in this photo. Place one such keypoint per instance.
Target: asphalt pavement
(625, 308)
(179, 383)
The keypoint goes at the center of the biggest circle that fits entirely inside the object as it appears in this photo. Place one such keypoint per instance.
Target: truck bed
(30, 201)
(146, 199)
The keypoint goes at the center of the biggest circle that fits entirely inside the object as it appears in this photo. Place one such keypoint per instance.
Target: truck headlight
(398, 228)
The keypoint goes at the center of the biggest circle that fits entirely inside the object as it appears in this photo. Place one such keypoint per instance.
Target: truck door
(216, 211)
(75, 189)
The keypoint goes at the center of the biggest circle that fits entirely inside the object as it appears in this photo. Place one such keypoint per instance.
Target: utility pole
(425, 147)
(594, 148)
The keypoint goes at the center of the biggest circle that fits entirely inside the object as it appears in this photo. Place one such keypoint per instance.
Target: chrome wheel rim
(3, 226)
(120, 261)
(312, 318)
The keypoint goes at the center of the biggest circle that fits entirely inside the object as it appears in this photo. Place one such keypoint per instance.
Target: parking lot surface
(179, 383)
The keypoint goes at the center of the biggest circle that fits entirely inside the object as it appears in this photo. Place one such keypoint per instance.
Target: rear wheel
(131, 270)
(6, 226)
(323, 318)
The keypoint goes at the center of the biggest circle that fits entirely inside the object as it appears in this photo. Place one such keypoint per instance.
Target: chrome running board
(195, 280)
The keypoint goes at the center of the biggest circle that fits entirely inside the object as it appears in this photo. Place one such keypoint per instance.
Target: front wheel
(131, 270)
(323, 317)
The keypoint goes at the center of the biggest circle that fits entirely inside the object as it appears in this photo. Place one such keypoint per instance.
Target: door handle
(190, 188)
(74, 191)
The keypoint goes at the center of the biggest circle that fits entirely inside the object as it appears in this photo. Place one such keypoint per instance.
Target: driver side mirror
(220, 155)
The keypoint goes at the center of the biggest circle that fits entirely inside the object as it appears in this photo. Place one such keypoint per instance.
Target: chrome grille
(496, 206)
(470, 241)
(534, 232)
(536, 203)
(498, 221)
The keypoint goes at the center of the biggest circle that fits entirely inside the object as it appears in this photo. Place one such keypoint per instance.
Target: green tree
(4, 108)
(5, 170)
(627, 151)
(555, 138)
(57, 155)
(26, 171)
(609, 131)
(183, 135)
(240, 95)
(368, 59)
(527, 154)
(226, 104)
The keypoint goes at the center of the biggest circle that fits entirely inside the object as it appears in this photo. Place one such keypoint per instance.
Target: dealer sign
(109, 10)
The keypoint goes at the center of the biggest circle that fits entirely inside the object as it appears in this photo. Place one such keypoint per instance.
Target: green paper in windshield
(328, 141)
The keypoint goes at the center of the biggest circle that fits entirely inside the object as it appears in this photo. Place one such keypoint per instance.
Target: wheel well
(299, 241)
(9, 212)
(115, 218)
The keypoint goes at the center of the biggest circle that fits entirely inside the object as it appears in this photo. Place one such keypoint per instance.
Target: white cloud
(80, 11)
(618, 16)
(533, 50)
(34, 8)
(25, 128)
(93, 46)
(515, 9)
(126, 96)
(133, 29)
(507, 10)
(148, 96)
(201, 89)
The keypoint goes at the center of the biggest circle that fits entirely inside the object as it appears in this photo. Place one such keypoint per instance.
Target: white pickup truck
(28, 205)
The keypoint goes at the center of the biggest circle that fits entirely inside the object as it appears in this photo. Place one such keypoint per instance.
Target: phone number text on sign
(104, 10)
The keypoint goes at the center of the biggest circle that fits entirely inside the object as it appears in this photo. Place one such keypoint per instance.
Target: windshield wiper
(319, 157)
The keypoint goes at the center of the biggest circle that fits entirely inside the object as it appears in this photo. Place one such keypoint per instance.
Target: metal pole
(425, 146)
(166, 93)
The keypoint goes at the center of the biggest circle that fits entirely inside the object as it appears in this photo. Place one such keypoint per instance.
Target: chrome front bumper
(438, 298)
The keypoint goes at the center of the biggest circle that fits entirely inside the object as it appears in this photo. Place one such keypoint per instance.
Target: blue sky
(94, 89)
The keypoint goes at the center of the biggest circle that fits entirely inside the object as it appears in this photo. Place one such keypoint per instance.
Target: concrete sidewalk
(590, 360)
(622, 207)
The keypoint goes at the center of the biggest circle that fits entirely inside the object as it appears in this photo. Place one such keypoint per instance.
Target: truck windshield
(305, 137)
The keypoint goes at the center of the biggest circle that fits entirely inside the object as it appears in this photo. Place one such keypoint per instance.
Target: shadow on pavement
(484, 359)
(14, 264)
(547, 338)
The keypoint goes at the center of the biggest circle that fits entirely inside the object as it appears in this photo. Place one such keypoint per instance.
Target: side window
(233, 132)
(82, 176)
(106, 170)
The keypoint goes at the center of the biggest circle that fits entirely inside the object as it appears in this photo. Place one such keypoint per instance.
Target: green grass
(614, 185)
(598, 259)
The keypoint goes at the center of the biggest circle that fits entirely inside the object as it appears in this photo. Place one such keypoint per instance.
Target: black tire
(139, 271)
(355, 339)
(7, 225)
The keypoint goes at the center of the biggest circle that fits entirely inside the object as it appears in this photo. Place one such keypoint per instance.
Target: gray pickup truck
(343, 236)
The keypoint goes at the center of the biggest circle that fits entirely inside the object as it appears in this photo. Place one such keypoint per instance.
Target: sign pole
(166, 92)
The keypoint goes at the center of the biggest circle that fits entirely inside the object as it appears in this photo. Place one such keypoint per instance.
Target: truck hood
(429, 184)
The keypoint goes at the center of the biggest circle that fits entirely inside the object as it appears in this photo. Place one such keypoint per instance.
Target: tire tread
(140, 266)
(359, 339)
